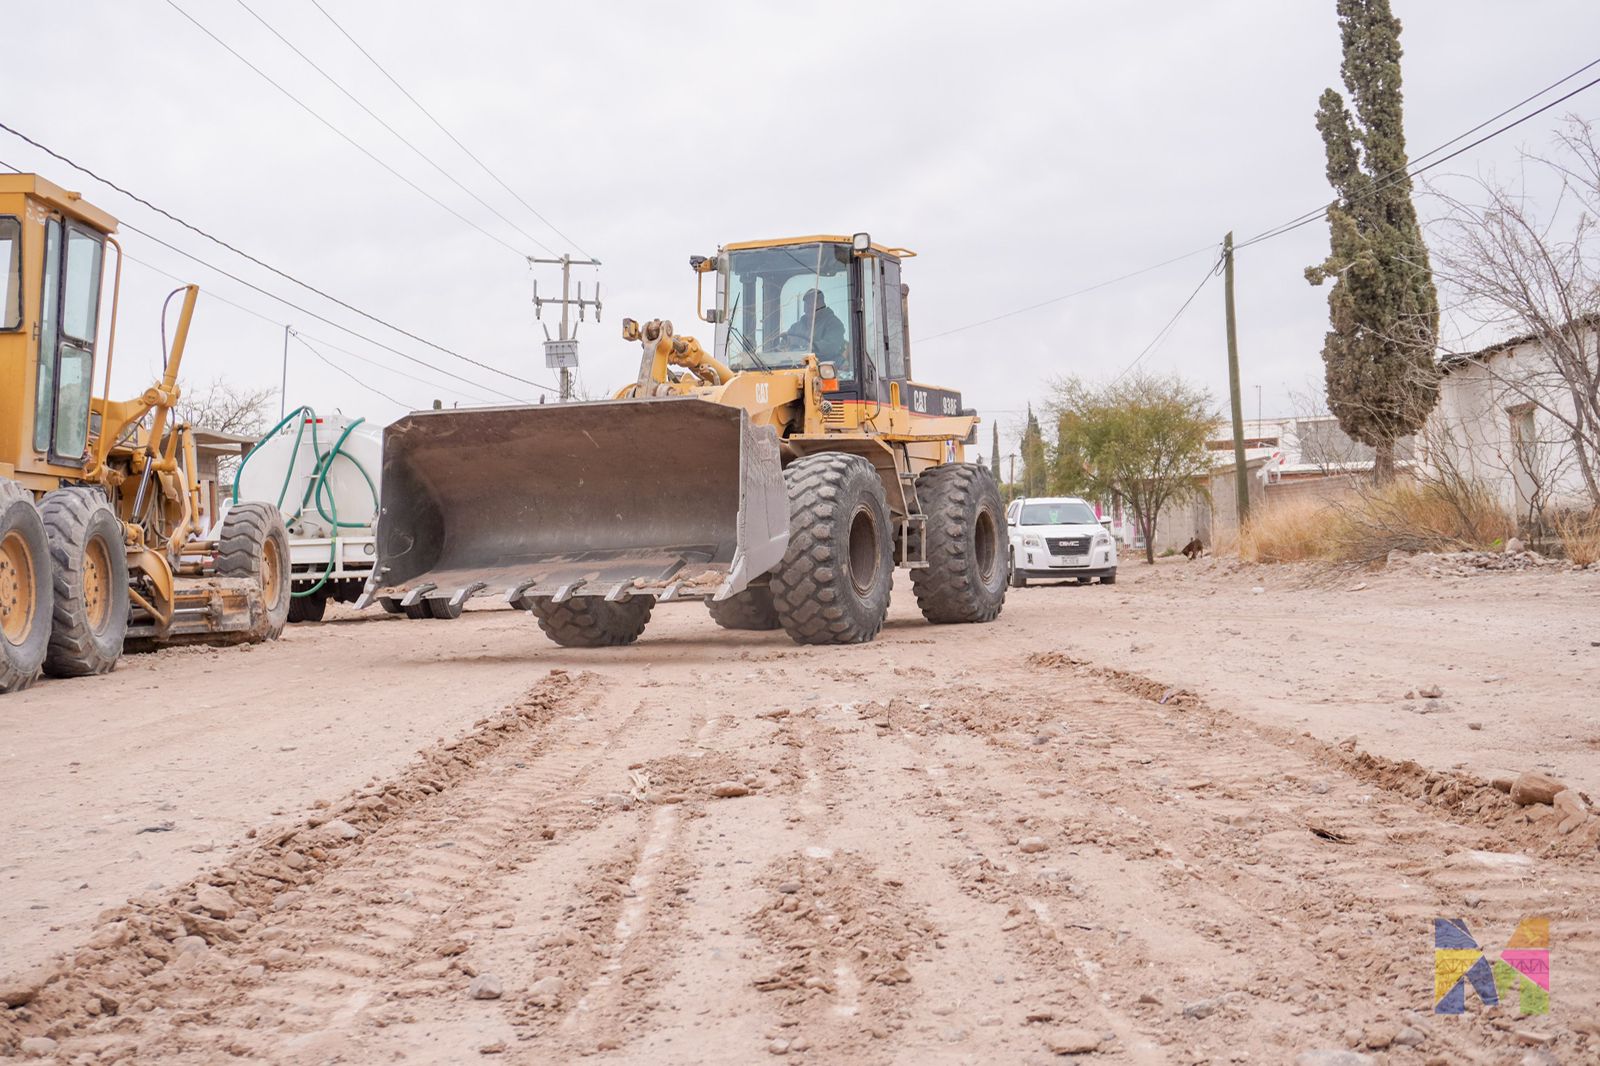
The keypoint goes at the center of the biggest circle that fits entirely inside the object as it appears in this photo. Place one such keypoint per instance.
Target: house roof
(1460, 359)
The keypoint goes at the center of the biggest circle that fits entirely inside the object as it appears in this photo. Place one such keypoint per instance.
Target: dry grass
(1580, 537)
(1297, 531)
(1407, 515)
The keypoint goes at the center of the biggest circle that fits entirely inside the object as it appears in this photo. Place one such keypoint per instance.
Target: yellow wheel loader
(101, 543)
(780, 475)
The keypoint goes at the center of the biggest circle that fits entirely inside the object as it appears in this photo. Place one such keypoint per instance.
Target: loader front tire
(750, 609)
(964, 544)
(833, 584)
(592, 621)
(25, 589)
(255, 545)
(90, 581)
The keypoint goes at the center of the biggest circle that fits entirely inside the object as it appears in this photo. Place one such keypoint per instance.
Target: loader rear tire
(309, 608)
(833, 584)
(255, 545)
(90, 581)
(441, 608)
(26, 592)
(964, 544)
(591, 621)
(750, 609)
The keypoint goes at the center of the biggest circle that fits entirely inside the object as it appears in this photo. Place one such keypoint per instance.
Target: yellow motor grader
(780, 475)
(101, 542)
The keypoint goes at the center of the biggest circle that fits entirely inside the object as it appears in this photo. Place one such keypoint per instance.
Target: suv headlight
(1031, 541)
(1102, 540)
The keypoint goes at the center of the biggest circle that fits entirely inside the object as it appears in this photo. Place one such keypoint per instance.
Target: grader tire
(750, 609)
(255, 545)
(591, 621)
(833, 584)
(26, 593)
(90, 564)
(964, 545)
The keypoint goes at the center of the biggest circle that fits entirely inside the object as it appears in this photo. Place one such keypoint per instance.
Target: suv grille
(1068, 545)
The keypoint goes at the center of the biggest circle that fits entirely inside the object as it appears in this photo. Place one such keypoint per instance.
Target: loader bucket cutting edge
(593, 498)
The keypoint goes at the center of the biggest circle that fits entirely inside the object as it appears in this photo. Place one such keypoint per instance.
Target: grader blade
(671, 497)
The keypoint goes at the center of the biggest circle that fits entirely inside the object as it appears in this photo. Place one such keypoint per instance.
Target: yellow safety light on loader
(780, 474)
(100, 509)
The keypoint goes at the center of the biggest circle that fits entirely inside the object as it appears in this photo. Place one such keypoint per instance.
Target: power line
(1069, 295)
(470, 154)
(1410, 171)
(365, 385)
(398, 135)
(1320, 212)
(343, 135)
(272, 269)
(1166, 330)
(325, 343)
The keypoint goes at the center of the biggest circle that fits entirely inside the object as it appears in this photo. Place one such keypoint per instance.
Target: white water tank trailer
(323, 472)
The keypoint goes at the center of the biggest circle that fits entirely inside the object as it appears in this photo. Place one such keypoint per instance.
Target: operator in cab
(818, 329)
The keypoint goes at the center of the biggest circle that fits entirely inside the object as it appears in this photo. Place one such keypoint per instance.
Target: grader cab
(100, 511)
(779, 475)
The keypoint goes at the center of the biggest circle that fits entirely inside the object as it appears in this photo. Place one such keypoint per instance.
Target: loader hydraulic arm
(662, 348)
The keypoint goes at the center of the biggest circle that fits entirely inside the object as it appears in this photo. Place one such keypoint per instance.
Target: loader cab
(767, 316)
(52, 250)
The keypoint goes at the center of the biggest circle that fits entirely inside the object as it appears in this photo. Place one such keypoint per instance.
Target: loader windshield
(783, 303)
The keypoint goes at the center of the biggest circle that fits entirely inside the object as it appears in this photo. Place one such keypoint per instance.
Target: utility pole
(1241, 477)
(283, 385)
(562, 352)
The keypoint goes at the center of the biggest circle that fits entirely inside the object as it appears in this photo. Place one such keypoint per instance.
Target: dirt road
(963, 844)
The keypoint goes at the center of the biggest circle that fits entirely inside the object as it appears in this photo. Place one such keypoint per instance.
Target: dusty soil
(1170, 820)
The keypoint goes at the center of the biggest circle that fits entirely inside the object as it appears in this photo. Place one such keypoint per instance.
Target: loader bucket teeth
(602, 499)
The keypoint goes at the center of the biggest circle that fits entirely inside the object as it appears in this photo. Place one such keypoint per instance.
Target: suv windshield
(1057, 513)
(783, 303)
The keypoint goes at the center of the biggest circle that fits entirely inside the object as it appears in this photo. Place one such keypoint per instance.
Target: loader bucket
(664, 497)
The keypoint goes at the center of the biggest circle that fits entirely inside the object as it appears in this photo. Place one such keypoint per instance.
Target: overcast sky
(1025, 150)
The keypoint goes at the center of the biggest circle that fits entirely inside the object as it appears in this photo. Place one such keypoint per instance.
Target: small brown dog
(1193, 550)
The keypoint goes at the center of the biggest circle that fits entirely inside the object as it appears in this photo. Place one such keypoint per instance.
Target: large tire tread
(22, 664)
(245, 532)
(751, 609)
(72, 517)
(813, 592)
(953, 588)
(592, 621)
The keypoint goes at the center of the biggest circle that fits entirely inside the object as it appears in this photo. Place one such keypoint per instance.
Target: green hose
(317, 485)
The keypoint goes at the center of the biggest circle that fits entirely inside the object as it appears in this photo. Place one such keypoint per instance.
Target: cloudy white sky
(1025, 150)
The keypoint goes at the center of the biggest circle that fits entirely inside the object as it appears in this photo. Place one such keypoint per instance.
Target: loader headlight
(1031, 541)
(861, 242)
(827, 371)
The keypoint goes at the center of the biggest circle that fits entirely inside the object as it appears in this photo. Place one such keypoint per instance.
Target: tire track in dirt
(1209, 825)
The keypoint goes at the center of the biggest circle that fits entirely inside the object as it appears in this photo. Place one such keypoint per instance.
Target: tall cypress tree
(994, 454)
(1035, 464)
(1379, 355)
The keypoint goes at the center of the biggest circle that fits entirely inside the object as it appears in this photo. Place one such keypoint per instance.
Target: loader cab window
(68, 316)
(11, 280)
(784, 303)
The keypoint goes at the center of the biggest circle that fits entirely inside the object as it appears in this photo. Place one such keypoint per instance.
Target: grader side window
(11, 263)
(68, 315)
(80, 299)
(49, 334)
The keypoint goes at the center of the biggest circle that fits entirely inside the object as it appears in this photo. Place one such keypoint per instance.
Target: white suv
(1057, 537)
